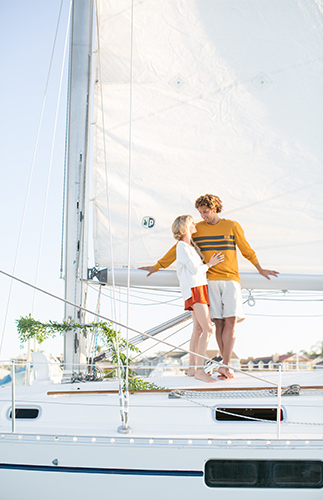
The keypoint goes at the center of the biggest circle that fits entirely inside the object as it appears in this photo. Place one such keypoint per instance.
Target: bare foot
(225, 373)
(191, 371)
(205, 377)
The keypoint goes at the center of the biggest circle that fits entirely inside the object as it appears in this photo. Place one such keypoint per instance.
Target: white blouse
(191, 271)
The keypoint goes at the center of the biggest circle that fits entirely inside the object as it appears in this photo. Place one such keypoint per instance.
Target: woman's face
(192, 228)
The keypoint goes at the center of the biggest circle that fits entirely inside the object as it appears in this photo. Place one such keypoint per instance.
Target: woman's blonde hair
(180, 225)
(179, 228)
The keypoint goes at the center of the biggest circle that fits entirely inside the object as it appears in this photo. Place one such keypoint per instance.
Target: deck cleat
(212, 363)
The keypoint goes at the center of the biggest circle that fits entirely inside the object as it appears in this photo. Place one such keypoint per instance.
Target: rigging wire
(67, 122)
(51, 159)
(121, 325)
(165, 338)
(105, 155)
(31, 174)
(286, 315)
(155, 302)
(126, 393)
(267, 295)
(94, 339)
(121, 398)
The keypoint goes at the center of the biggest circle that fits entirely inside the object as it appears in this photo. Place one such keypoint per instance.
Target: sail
(220, 97)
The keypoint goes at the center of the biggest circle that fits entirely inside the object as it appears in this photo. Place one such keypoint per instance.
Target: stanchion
(279, 400)
(13, 398)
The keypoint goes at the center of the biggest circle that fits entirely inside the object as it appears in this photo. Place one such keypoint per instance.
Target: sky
(27, 32)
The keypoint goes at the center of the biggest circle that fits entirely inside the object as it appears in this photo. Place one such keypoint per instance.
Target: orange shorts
(200, 294)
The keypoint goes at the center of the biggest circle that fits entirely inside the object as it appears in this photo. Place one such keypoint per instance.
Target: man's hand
(266, 272)
(150, 270)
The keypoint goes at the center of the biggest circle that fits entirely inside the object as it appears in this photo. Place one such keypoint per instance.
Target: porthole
(264, 474)
(25, 413)
(247, 414)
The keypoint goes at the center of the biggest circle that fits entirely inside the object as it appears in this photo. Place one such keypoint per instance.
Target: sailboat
(188, 98)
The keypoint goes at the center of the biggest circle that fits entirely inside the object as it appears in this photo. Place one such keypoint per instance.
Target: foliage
(316, 350)
(29, 328)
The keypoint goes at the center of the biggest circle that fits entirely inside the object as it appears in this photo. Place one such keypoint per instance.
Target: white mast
(76, 252)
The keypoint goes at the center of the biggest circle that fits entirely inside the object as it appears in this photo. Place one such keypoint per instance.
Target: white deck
(75, 441)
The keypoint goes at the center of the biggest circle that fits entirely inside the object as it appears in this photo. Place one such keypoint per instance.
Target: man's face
(208, 215)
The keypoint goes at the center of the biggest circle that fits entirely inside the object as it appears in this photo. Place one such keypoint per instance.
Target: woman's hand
(216, 259)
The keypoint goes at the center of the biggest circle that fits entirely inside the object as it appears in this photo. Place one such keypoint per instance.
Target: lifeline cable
(130, 328)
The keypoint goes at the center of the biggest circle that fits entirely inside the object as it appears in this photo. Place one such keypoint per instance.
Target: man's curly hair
(210, 201)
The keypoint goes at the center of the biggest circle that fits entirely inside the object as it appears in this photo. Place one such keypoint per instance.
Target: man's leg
(219, 325)
(225, 336)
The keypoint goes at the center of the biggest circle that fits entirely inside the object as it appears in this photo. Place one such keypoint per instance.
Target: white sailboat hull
(74, 441)
(144, 469)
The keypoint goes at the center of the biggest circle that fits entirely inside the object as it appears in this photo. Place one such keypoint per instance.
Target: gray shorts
(225, 300)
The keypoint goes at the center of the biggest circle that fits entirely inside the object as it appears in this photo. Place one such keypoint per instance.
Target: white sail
(226, 99)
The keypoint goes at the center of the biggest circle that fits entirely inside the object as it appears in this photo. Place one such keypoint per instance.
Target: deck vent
(25, 413)
(264, 474)
(242, 414)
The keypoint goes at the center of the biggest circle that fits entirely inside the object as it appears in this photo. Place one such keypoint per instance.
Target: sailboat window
(264, 474)
(25, 413)
(244, 414)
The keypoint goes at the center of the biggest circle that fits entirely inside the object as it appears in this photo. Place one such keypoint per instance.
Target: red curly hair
(211, 201)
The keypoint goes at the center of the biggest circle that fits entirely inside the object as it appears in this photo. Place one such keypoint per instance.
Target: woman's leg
(197, 330)
(202, 315)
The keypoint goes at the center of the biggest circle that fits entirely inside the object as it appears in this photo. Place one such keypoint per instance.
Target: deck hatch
(244, 414)
(264, 474)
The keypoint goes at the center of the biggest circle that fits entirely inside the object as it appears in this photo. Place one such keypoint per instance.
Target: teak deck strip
(153, 391)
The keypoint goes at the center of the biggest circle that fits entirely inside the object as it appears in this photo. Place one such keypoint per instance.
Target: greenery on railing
(29, 328)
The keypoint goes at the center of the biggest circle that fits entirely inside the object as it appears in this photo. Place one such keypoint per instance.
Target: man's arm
(249, 254)
(164, 262)
(265, 272)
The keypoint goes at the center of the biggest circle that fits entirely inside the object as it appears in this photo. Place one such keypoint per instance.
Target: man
(220, 235)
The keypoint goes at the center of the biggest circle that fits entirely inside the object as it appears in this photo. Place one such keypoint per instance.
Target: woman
(191, 273)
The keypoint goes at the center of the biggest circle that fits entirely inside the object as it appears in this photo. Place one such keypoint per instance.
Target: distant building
(318, 363)
(235, 360)
(177, 360)
(288, 361)
(184, 357)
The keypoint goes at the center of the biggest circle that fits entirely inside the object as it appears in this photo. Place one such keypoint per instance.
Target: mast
(76, 251)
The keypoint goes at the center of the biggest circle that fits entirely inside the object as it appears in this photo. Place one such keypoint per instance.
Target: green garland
(29, 328)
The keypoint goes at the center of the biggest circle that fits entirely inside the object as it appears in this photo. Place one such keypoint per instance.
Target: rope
(130, 328)
(213, 408)
(30, 176)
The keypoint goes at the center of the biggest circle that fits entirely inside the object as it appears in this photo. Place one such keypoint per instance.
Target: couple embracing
(207, 269)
